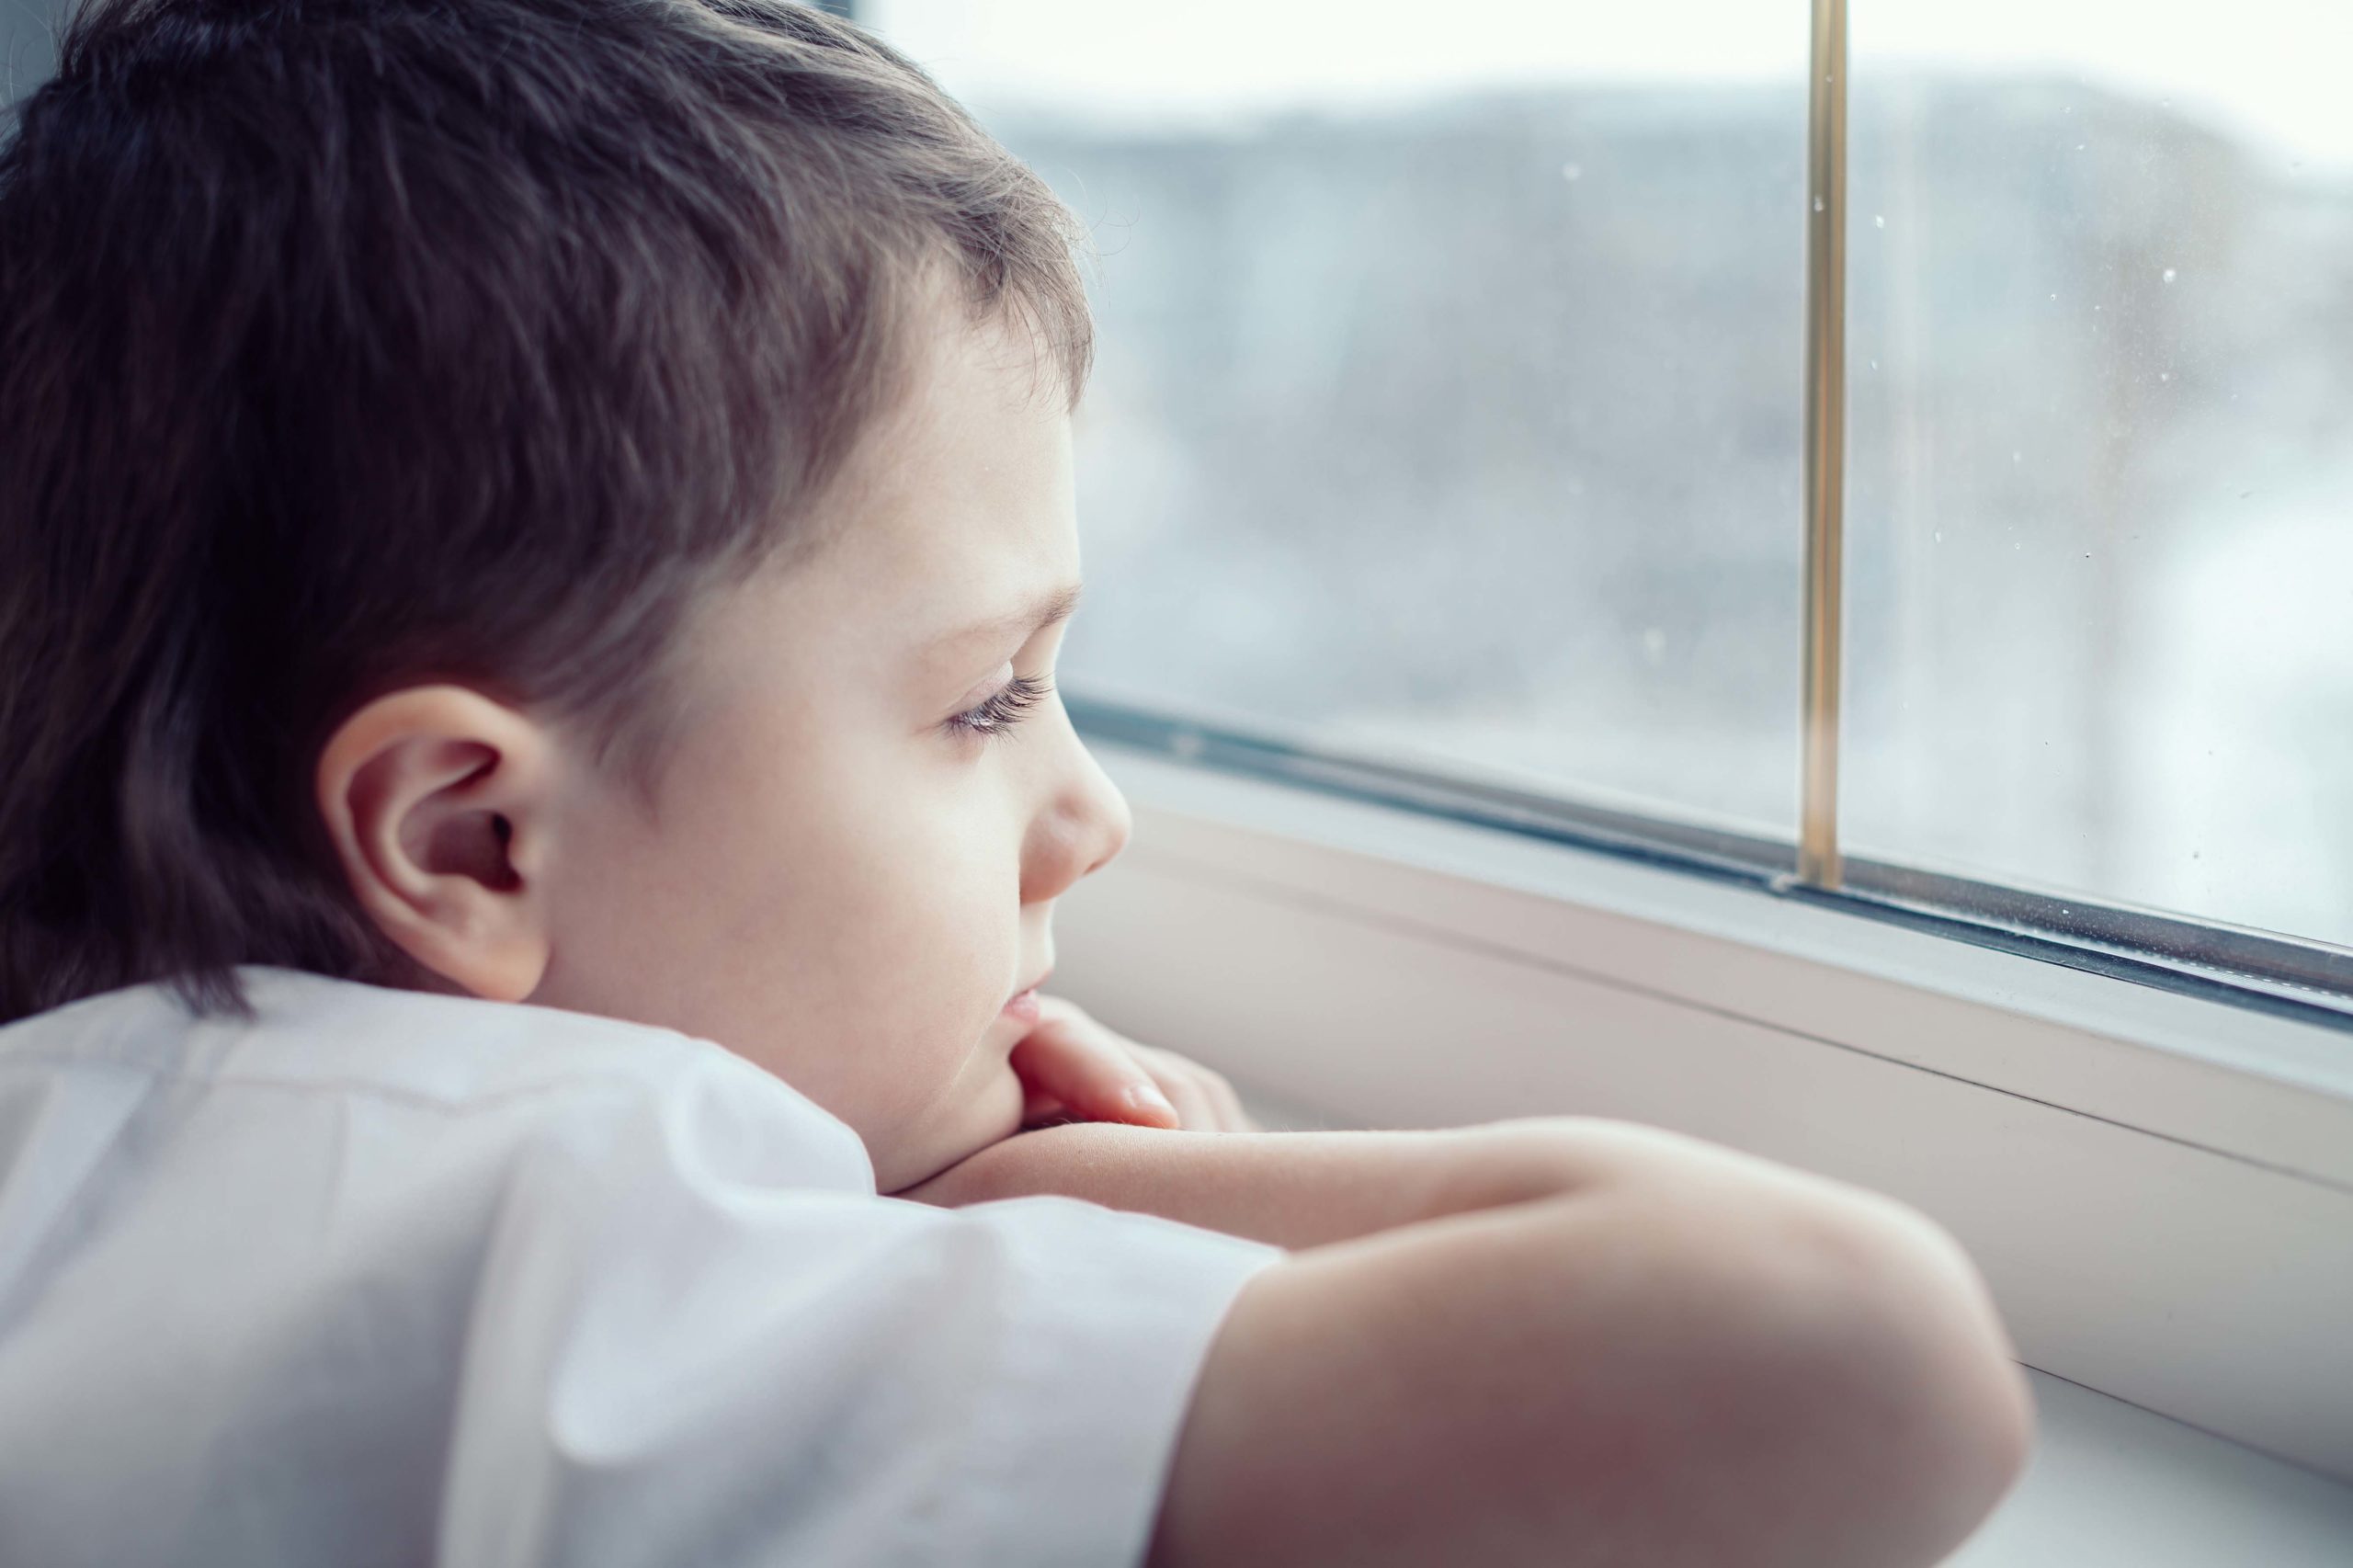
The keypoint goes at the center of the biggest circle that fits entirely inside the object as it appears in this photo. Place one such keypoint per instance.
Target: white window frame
(2158, 1186)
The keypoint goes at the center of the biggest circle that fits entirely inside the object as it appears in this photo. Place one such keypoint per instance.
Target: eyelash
(1003, 708)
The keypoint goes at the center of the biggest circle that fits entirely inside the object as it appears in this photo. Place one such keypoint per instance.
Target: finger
(1223, 1110)
(1233, 1116)
(1091, 1071)
(1194, 1111)
(1226, 1104)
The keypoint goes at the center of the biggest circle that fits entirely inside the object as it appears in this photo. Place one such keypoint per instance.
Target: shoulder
(593, 1293)
(428, 1067)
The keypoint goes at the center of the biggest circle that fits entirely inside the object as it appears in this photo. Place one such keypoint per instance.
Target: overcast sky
(2274, 71)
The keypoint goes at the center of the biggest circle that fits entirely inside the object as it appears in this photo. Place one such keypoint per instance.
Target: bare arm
(1302, 1189)
(1557, 1342)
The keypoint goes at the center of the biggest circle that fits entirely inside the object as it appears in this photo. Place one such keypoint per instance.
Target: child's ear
(439, 802)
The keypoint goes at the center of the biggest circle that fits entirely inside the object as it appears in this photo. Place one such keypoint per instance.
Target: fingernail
(1144, 1097)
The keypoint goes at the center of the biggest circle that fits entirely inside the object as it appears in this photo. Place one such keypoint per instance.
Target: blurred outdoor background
(1450, 406)
(1450, 401)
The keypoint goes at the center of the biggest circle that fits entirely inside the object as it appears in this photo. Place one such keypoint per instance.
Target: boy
(534, 537)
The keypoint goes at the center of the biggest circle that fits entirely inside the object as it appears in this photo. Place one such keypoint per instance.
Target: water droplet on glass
(2055, 296)
(2171, 275)
(2246, 494)
(2079, 146)
(1572, 171)
(1879, 219)
(1939, 536)
(2165, 375)
(2018, 457)
(1875, 364)
(1817, 204)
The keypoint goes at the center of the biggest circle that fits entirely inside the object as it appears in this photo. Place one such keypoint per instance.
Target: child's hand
(1076, 1070)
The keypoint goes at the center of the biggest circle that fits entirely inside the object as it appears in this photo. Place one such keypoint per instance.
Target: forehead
(958, 504)
(955, 508)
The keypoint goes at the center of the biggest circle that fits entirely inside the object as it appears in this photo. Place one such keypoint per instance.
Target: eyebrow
(1047, 610)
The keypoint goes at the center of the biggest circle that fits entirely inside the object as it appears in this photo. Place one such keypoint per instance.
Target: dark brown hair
(348, 343)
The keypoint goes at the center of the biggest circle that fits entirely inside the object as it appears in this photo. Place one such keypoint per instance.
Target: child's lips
(1023, 1006)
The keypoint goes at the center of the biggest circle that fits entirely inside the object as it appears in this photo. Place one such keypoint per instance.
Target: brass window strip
(1825, 442)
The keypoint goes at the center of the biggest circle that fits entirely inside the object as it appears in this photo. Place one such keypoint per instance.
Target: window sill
(2111, 1483)
(2159, 1188)
(2119, 1484)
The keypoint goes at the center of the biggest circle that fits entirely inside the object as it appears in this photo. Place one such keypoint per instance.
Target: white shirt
(394, 1277)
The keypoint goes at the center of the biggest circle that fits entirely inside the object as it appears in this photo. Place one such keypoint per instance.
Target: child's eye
(1003, 708)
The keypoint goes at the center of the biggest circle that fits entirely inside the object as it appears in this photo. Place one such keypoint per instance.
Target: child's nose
(1086, 825)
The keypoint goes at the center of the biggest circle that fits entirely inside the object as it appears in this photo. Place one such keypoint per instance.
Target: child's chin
(989, 1116)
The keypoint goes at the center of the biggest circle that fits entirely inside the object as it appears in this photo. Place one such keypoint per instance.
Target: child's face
(839, 882)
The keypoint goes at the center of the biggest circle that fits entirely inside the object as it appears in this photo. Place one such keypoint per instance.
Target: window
(2101, 380)
(1448, 438)
(1447, 407)
(25, 46)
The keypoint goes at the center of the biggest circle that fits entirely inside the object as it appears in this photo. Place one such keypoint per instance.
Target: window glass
(26, 56)
(1448, 404)
(2100, 510)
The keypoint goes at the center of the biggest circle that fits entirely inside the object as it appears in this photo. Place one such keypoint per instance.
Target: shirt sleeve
(676, 1358)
